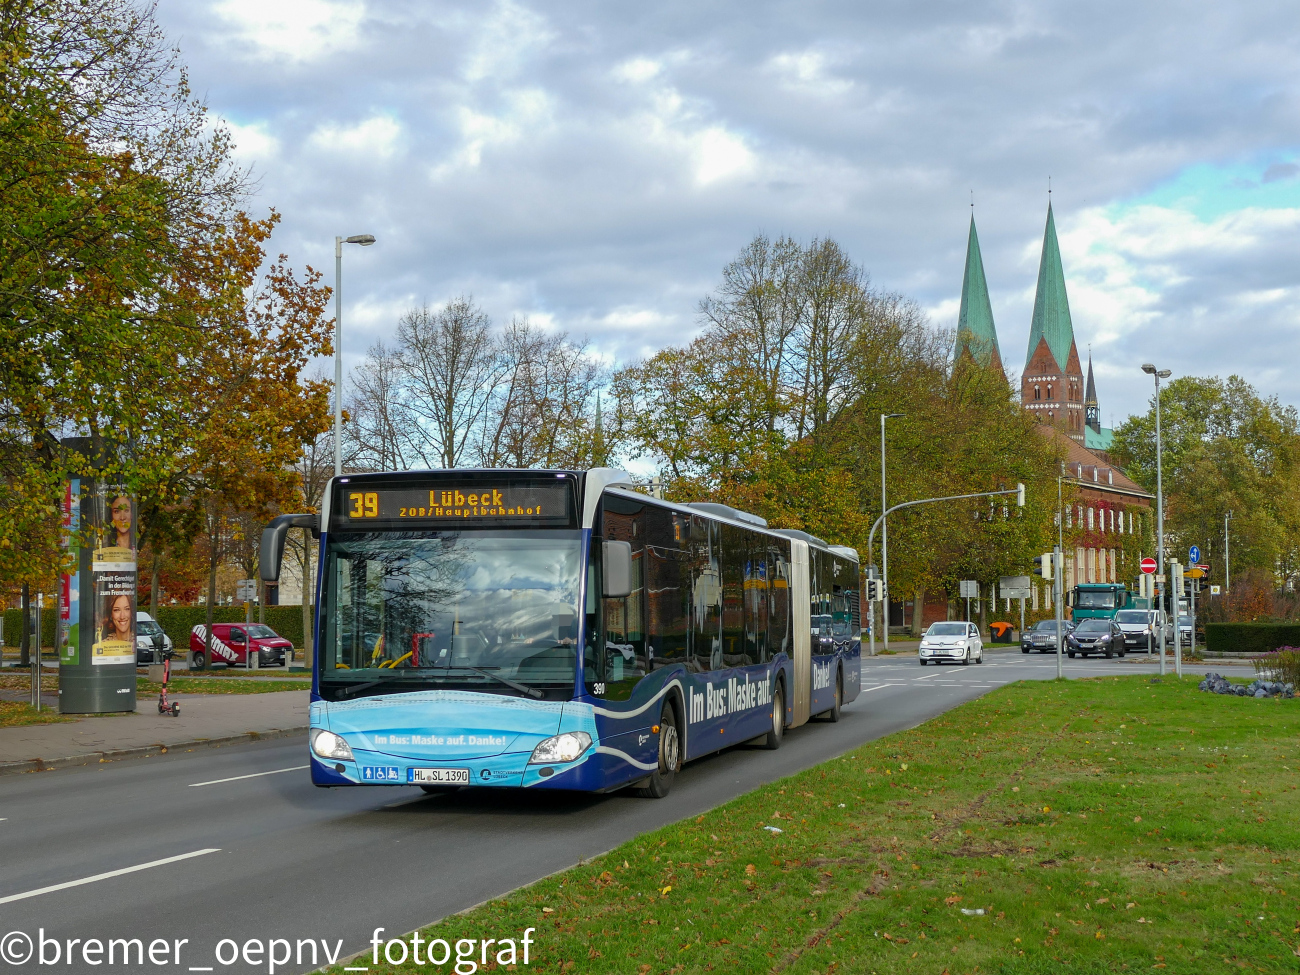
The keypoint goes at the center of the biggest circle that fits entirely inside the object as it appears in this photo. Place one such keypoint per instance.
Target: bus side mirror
(271, 553)
(618, 569)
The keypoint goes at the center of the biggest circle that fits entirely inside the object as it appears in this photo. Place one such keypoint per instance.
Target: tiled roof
(1076, 456)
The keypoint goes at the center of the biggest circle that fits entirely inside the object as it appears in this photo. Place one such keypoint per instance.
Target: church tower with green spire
(1051, 386)
(977, 336)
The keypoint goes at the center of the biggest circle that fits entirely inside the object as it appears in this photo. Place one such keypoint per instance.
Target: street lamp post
(1151, 370)
(1227, 565)
(365, 240)
(884, 536)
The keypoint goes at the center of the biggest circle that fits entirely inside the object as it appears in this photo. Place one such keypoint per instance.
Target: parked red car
(230, 643)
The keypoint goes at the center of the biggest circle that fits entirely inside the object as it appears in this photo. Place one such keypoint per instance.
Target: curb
(118, 754)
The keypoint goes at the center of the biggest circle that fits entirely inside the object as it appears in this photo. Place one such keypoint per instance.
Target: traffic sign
(1148, 565)
(1214, 590)
(1195, 572)
(1204, 567)
(1194, 554)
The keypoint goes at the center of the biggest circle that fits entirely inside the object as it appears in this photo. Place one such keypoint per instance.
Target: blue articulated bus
(560, 630)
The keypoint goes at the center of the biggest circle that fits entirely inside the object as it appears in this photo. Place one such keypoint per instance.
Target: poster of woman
(117, 539)
(113, 568)
(114, 618)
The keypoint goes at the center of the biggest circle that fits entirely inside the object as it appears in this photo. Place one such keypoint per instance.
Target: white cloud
(300, 30)
(719, 155)
(377, 136)
(806, 71)
(637, 70)
(524, 115)
(504, 40)
(254, 143)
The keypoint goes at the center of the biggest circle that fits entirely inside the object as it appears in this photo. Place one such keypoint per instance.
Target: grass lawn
(1100, 825)
(15, 713)
(206, 685)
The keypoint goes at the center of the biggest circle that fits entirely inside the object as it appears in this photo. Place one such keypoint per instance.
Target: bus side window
(668, 594)
(706, 598)
(733, 581)
(755, 600)
(778, 628)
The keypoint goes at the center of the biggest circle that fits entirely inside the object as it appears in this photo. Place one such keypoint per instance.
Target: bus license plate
(438, 776)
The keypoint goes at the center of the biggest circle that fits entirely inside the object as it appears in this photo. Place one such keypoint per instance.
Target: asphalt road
(295, 862)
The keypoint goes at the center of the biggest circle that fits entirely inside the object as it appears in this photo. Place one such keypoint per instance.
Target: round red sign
(1149, 566)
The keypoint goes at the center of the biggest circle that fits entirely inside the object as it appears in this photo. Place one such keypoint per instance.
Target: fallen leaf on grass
(952, 900)
(750, 870)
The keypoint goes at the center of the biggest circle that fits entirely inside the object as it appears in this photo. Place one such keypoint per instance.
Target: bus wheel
(670, 757)
(772, 740)
(833, 714)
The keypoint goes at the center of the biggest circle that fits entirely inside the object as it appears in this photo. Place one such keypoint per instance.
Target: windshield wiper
(532, 692)
(364, 685)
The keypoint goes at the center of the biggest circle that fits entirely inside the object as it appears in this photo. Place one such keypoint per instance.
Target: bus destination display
(475, 502)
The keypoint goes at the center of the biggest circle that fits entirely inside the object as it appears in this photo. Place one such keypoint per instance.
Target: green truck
(1102, 600)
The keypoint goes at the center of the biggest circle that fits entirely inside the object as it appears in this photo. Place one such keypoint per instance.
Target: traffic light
(1043, 565)
(875, 590)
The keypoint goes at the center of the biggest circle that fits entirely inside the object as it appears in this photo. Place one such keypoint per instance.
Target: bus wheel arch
(671, 737)
(772, 739)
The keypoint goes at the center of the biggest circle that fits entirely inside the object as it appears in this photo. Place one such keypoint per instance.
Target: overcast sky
(594, 165)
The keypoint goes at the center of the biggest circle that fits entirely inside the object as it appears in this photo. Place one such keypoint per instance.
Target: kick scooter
(164, 707)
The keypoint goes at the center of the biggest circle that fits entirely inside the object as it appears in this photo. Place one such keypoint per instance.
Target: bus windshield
(415, 610)
(1094, 599)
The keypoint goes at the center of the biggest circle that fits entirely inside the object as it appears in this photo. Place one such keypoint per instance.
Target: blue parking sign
(1194, 555)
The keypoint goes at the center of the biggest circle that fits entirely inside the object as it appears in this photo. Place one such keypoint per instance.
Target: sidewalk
(205, 719)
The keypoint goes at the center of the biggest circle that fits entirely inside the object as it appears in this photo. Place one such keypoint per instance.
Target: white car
(956, 641)
(1142, 628)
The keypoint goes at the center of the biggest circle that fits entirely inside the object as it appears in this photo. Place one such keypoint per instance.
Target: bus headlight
(326, 744)
(561, 748)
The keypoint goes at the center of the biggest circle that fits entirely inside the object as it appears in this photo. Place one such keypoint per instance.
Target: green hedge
(14, 627)
(1250, 637)
(177, 622)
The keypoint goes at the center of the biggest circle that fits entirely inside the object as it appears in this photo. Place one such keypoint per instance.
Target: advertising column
(97, 637)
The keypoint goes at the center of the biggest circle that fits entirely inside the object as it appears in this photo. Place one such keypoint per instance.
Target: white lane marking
(867, 690)
(926, 677)
(252, 775)
(105, 876)
(208, 969)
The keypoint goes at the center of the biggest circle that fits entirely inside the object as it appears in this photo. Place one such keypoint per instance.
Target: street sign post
(1016, 587)
(1148, 565)
(968, 589)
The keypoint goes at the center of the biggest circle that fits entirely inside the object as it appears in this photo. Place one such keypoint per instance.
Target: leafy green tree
(1225, 448)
